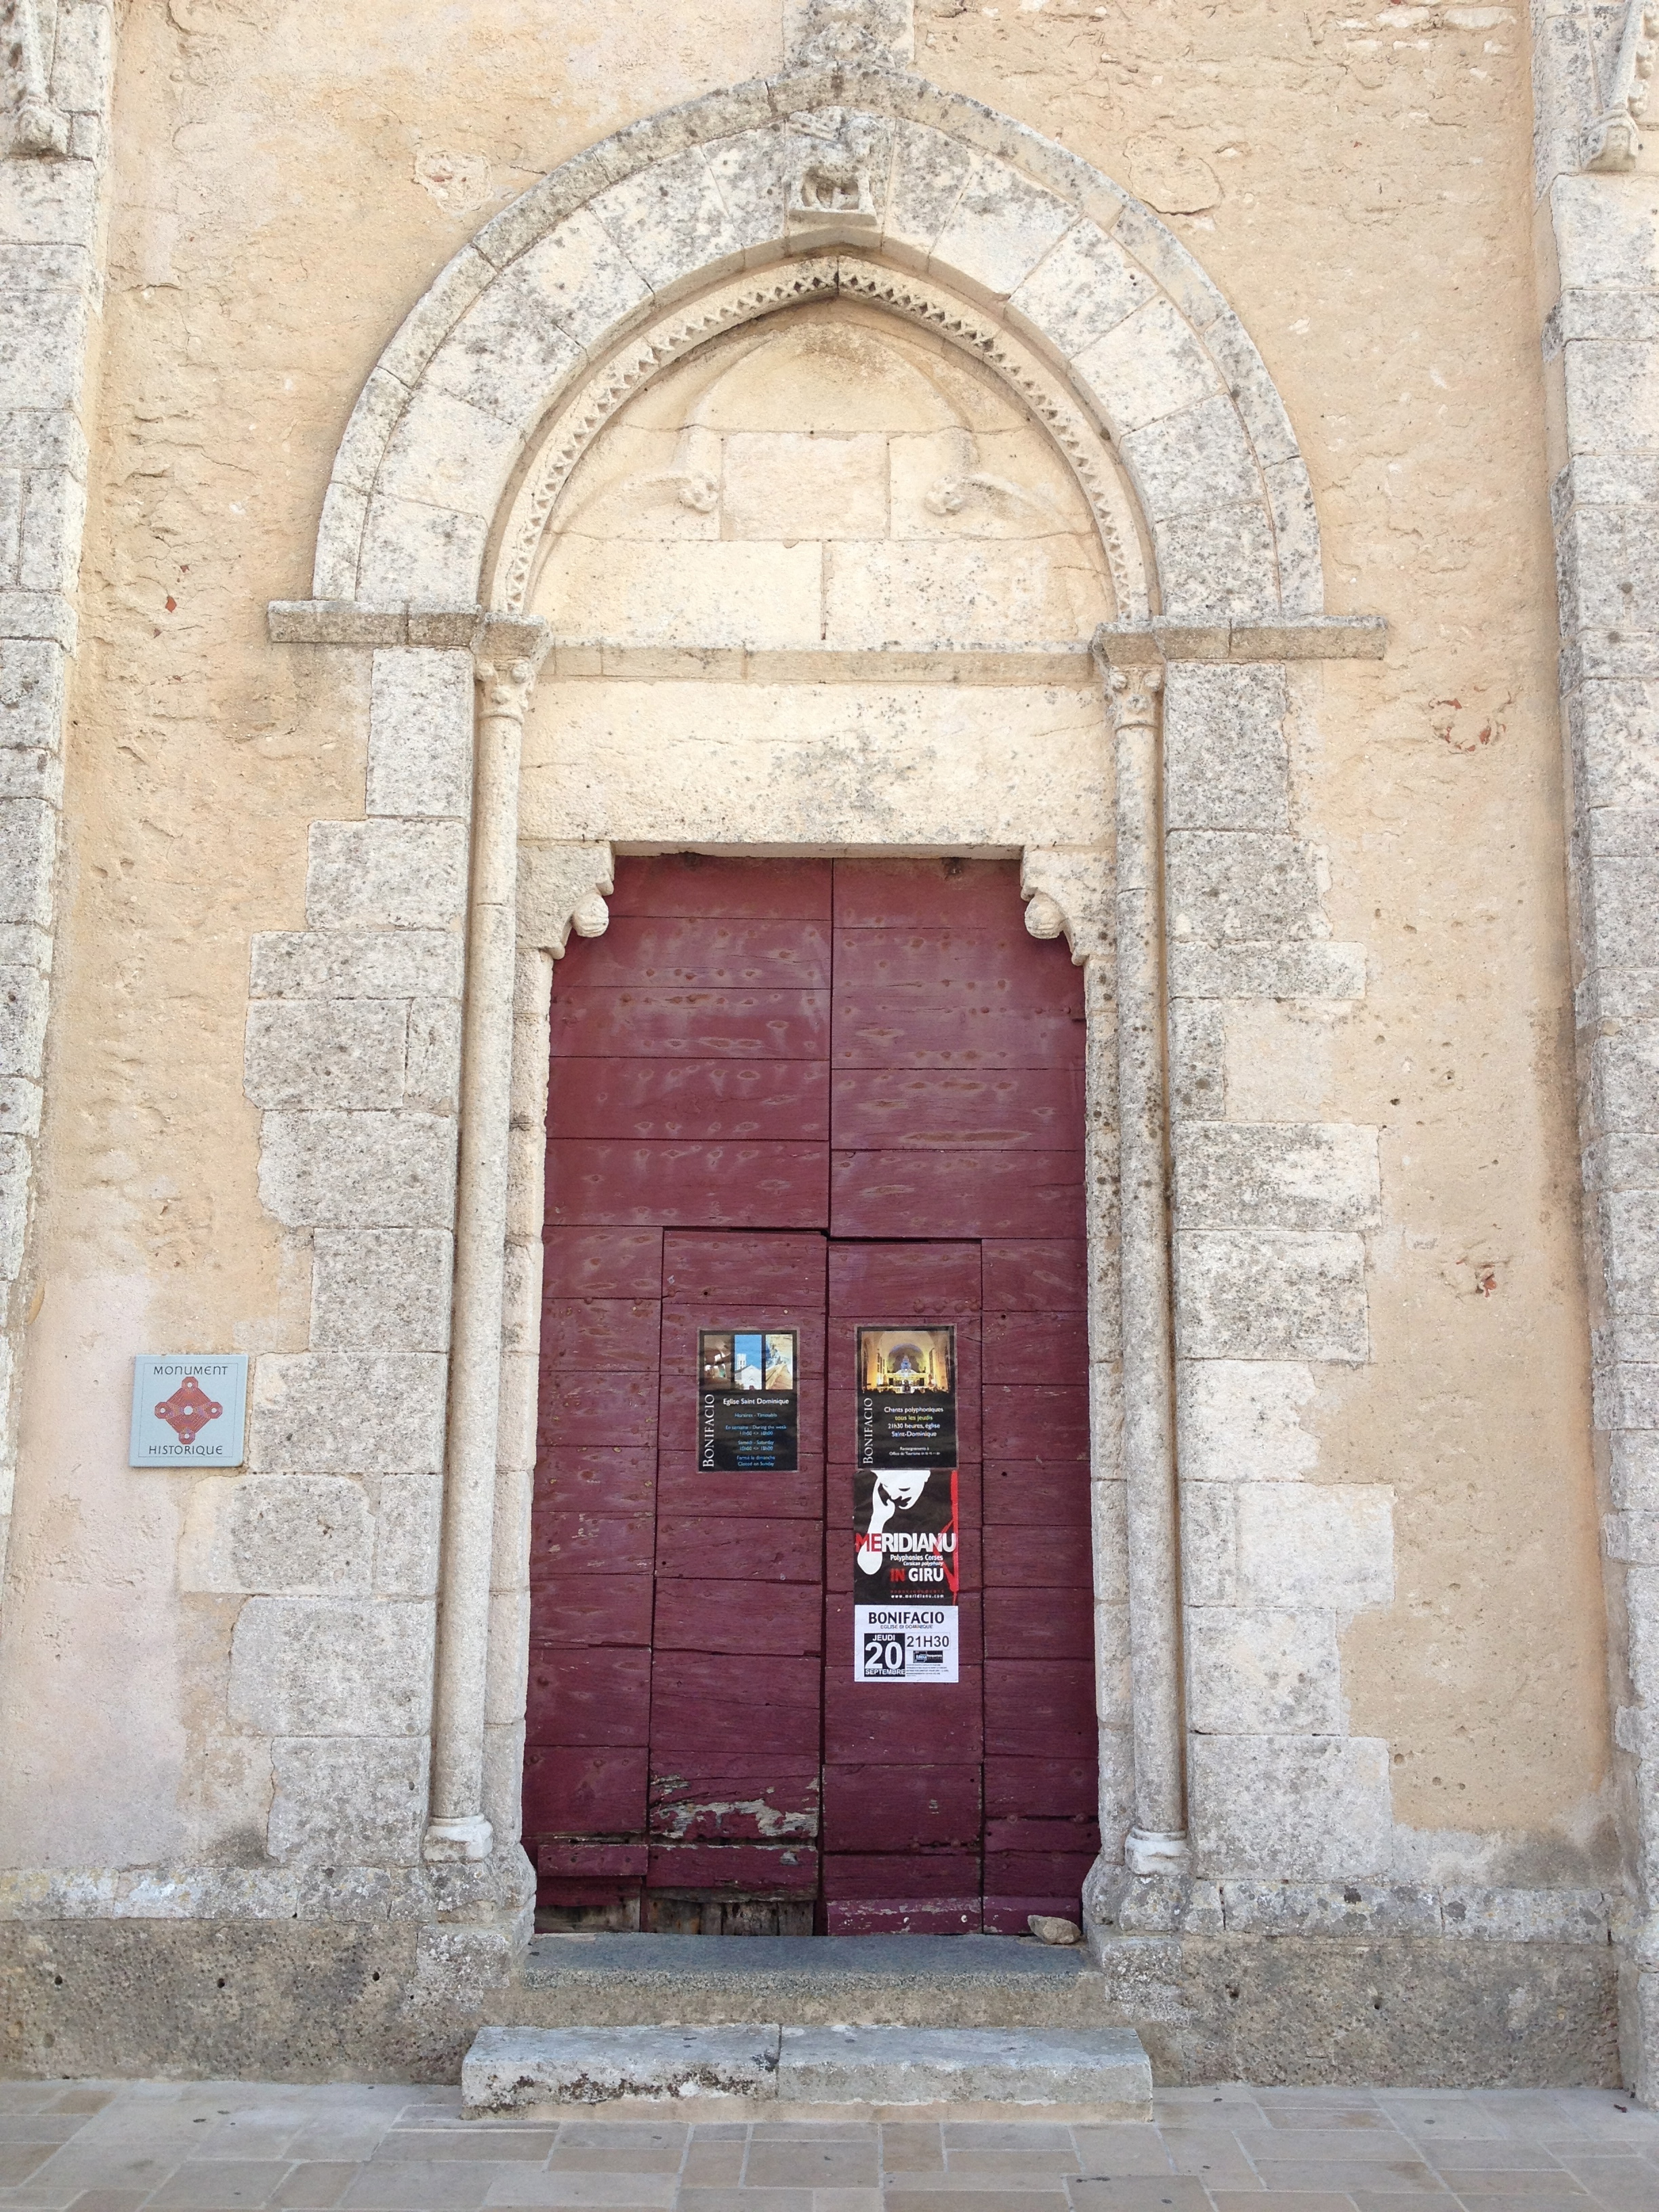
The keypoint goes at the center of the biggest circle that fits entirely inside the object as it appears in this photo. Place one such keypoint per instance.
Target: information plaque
(189, 1409)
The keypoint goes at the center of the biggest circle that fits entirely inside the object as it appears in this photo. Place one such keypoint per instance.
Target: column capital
(506, 658)
(1133, 689)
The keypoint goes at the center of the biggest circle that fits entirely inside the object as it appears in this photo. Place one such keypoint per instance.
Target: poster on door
(906, 1508)
(907, 1397)
(748, 1401)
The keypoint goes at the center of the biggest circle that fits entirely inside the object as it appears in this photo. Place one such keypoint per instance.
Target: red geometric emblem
(188, 1411)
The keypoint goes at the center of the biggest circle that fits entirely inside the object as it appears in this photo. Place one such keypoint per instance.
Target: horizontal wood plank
(871, 1915)
(901, 1808)
(585, 1790)
(953, 1193)
(925, 1874)
(756, 1617)
(600, 1697)
(602, 1263)
(1034, 1562)
(1040, 1274)
(1025, 1493)
(884, 1282)
(626, 1021)
(738, 1186)
(694, 1101)
(590, 1609)
(1036, 1348)
(1043, 1707)
(709, 884)
(597, 1479)
(579, 1407)
(735, 1869)
(933, 1110)
(1028, 1788)
(917, 893)
(1028, 1422)
(953, 1025)
(601, 1332)
(1037, 1624)
(714, 1548)
(737, 1799)
(717, 953)
(751, 1269)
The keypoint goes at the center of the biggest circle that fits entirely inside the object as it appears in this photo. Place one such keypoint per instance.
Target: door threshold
(552, 1958)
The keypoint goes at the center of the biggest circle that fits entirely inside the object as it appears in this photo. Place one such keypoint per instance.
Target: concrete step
(1105, 2069)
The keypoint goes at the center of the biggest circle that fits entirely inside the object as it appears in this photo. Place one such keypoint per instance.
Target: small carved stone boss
(189, 1409)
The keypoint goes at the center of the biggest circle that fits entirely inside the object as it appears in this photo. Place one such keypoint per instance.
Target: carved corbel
(1614, 139)
(37, 127)
(1069, 893)
(849, 33)
(562, 890)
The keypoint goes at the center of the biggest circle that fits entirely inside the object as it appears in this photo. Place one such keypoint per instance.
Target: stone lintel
(1309, 637)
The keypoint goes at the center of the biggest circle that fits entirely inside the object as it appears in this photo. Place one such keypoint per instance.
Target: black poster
(748, 1401)
(907, 1397)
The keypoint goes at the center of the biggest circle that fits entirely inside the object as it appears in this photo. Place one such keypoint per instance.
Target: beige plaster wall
(289, 182)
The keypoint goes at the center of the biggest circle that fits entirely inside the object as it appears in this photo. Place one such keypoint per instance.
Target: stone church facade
(1201, 467)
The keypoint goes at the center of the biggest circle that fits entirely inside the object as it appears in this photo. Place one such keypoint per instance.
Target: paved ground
(197, 2146)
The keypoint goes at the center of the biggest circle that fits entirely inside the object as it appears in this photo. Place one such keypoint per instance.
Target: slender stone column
(1156, 1844)
(507, 655)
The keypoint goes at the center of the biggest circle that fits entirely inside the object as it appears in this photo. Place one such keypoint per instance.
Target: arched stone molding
(1036, 240)
(1100, 327)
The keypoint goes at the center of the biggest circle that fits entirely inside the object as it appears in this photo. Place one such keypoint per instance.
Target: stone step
(511, 2068)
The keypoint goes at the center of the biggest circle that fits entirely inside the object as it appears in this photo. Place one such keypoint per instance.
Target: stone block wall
(1269, 1226)
(54, 111)
(353, 1052)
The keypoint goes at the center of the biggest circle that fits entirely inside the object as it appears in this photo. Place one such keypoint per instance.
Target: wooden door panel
(1037, 1623)
(878, 1282)
(582, 1406)
(738, 1798)
(999, 961)
(1018, 1493)
(954, 1026)
(609, 1022)
(584, 1789)
(710, 1548)
(694, 1102)
(945, 1194)
(1036, 1348)
(737, 1869)
(585, 1542)
(602, 1263)
(754, 1269)
(706, 952)
(755, 1054)
(1017, 1785)
(929, 1109)
(692, 884)
(901, 1808)
(600, 1697)
(781, 1618)
(601, 1480)
(742, 1186)
(920, 893)
(1046, 1274)
(593, 1608)
(601, 1332)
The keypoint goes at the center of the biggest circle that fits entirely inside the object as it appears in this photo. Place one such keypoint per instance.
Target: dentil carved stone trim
(795, 284)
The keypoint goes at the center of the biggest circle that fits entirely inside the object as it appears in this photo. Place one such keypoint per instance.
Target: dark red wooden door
(808, 1096)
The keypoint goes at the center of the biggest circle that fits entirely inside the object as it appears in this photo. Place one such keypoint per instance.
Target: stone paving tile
(228, 2182)
(1014, 2163)
(971, 2200)
(641, 2193)
(937, 2189)
(315, 2186)
(1120, 2147)
(1402, 2177)
(751, 2200)
(1141, 2194)
(631, 2158)
(712, 2165)
(821, 2165)
(1275, 2200)
(433, 2144)
(1217, 2156)
(912, 2146)
(450, 2186)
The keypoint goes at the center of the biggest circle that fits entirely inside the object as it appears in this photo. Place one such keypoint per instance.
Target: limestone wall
(285, 188)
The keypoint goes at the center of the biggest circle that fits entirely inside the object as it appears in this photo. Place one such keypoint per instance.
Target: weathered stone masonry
(54, 109)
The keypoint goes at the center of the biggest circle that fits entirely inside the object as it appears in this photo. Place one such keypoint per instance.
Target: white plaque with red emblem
(189, 1409)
